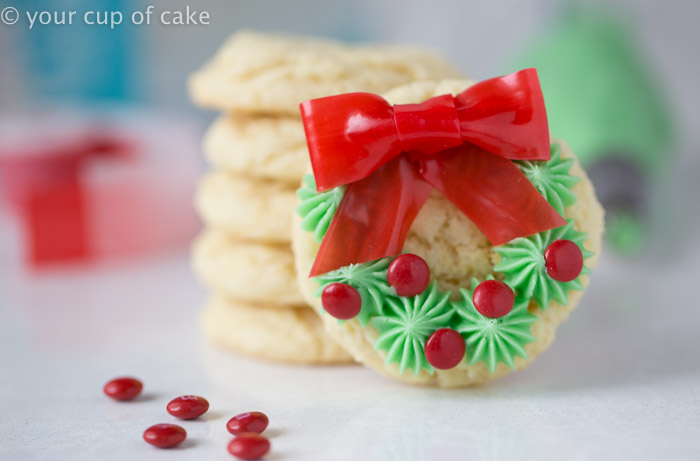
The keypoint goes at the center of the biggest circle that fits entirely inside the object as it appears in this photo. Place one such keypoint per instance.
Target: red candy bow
(462, 146)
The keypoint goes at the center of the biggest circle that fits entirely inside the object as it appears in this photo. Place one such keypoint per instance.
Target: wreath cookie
(443, 239)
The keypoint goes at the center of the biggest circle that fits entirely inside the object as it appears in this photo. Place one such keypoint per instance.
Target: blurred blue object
(80, 62)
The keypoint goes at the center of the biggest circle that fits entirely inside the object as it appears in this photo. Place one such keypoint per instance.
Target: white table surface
(622, 380)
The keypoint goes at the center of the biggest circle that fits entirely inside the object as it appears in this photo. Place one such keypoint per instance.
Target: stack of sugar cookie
(258, 152)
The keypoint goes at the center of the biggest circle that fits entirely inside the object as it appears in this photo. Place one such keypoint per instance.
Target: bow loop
(506, 116)
(349, 137)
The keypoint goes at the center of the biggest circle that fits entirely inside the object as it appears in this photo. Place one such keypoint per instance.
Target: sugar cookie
(255, 272)
(247, 208)
(283, 335)
(273, 73)
(271, 148)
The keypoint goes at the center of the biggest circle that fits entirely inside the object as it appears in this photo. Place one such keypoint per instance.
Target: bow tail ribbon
(374, 216)
(492, 192)
(376, 213)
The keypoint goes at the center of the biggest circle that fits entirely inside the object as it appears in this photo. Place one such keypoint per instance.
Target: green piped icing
(522, 262)
(370, 281)
(317, 208)
(406, 324)
(494, 340)
(552, 179)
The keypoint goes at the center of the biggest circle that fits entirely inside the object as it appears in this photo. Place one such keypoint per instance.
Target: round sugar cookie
(270, 333)
(458, 256)
(254, 272)
(271, 148)
(247, 208)
(273, 73)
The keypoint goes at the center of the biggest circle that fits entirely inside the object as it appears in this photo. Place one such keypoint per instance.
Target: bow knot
(430, 126)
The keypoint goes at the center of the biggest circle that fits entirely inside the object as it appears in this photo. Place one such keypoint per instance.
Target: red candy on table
(445, 348)
(253, 421)
(165, 435)
(249, 446)
(124, 388)
(564, 260)
(408, 274)
(188, 406)
(493, 299)
(341, 301)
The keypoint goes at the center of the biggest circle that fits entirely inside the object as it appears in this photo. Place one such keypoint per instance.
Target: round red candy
(564, 260)
(165, 435)
(253, 421)
(249, 446)
(493, 299)
(188, 406)
(123, 388)
(445, 349)
(341, 301)
(408, 274)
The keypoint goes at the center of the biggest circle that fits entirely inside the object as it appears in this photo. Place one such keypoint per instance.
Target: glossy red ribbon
(357, 139)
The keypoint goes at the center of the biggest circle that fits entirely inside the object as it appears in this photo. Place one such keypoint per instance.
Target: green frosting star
(317, 208)
(552, 179)
(522, 262)
(407, 323)
(494, 340)
(370, 281)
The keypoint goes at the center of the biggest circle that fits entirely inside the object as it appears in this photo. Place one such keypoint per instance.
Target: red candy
(493, 299)
(408, 274)
(249, 446)
(445, 349)
(564, 260)
(253, 421)
(123, 388)
(165, 435)
(188, 406)
(341, 301)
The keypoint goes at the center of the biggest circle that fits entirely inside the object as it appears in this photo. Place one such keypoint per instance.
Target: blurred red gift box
(86, 187)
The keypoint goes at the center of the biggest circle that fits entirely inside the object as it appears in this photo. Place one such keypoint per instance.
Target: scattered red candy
(493, 298)
(188, 406)
(165, 435)
(408, 274)
(253, 421)
(341, 301)
(564, 260)
(249, 446)
(445, 349)
(123, 388)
